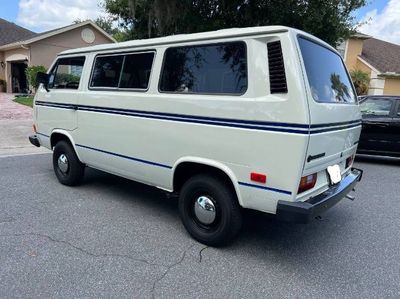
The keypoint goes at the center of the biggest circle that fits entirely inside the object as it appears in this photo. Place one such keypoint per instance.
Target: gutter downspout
(29, 52)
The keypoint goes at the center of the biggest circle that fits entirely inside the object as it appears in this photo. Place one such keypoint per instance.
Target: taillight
(307, 182)
(349, 161)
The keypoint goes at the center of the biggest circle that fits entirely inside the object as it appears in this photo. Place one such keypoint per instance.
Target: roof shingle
(10, 32)
(384, 56)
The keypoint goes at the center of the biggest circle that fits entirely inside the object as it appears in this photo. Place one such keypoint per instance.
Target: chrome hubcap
(63, 164)
(204, 209)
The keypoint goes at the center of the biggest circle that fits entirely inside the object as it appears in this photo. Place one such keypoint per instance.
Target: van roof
(179, 38)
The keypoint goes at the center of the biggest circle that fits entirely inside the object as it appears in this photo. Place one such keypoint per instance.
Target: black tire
(228, 217)
(74, 170)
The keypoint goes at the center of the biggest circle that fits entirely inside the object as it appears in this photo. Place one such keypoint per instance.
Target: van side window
(107, 70)
(206, 69)
(136, 71)
(131, 71)
(67, 73)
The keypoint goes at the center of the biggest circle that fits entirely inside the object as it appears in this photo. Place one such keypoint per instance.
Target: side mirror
(44, 79)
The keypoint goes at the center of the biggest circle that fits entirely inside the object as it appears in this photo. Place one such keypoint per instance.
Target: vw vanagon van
(262, 118)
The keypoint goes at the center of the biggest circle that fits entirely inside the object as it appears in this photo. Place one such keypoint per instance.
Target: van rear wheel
(67, 167)
(209, 210)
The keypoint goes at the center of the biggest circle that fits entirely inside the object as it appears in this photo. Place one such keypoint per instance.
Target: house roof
(383, 56)
(10, 32)
(39, 36)
(360, 35)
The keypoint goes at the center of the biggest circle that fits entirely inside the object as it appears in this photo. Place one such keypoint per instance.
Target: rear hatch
(335, 119)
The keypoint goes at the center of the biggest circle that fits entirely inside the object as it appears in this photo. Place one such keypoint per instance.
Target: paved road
(112, 238)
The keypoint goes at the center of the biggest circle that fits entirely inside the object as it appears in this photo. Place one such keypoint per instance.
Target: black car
(380, 133)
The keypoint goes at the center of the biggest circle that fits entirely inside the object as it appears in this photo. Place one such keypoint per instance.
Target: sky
(379, 18)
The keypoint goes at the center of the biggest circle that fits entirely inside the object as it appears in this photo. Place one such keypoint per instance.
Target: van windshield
(327, 76)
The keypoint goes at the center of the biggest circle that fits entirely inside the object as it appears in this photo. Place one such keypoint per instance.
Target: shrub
(360, 80)
(31, 72)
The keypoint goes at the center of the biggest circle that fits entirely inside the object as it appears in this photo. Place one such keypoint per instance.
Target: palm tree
(360, 80)
(341, 90)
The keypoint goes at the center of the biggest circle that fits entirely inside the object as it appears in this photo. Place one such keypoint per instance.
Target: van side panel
(141, 135)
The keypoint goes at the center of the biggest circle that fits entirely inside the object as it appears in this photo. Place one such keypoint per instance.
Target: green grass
(27, 101)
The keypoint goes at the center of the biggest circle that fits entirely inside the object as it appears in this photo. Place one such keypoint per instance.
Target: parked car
(263, 118)
(380, 133)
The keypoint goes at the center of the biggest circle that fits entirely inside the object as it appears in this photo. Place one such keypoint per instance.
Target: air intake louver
(277, 78)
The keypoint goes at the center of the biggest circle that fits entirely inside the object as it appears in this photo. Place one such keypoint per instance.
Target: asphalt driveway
(112, 238)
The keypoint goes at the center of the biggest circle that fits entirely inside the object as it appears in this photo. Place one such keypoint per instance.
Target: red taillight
(307, 182)
(349, 161)
(34, 128)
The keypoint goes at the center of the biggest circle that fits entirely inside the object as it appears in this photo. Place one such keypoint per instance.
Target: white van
(262, 118)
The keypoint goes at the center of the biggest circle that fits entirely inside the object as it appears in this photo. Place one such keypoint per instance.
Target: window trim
(124, 54)
(204, 45)
(55, 68)
(305, 75)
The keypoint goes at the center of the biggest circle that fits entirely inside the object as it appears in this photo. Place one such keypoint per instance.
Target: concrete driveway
(15, 127)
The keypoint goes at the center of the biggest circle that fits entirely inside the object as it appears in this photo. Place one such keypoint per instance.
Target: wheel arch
(60, 134)
(195, 165)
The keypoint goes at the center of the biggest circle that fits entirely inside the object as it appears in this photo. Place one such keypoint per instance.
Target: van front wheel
(209, 210)
(67, 167)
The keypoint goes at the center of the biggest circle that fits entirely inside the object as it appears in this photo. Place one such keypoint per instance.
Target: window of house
(131, 71)
(67, 73)
(206, 69)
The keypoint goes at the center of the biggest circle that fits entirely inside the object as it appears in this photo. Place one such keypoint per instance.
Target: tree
(31, 72)
(360, 80)
(330, 20)
(104, 23)
(340, 89)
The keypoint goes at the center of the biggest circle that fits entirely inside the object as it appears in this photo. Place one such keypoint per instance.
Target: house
(20, 48)
(380, 59)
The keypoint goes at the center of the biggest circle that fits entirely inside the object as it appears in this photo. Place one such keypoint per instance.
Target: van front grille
(277, 77)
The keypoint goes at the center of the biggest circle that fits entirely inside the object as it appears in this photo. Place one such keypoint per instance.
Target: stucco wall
(362, 66)
(392, 86)
(354, 49)
(44, 51)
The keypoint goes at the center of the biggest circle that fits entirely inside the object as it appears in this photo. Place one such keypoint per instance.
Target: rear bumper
(34, 140)
(303, 212)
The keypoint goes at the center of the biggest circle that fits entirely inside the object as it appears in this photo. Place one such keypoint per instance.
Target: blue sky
(42, 15)
(377, 4)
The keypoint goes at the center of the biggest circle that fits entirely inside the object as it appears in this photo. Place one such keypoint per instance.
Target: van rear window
(206, 69)
(127, 71)
(327, 76)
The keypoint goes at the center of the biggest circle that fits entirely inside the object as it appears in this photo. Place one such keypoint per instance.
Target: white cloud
(384, 25)
(45, 15)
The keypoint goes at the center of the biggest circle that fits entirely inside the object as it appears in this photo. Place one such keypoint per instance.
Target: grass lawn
(27, 101)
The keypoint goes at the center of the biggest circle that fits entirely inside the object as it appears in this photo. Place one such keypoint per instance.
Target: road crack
(201, 253)
(84, 251)
(168, 270)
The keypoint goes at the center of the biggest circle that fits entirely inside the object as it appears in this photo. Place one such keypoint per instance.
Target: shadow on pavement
(378, 160)
(259, 229)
